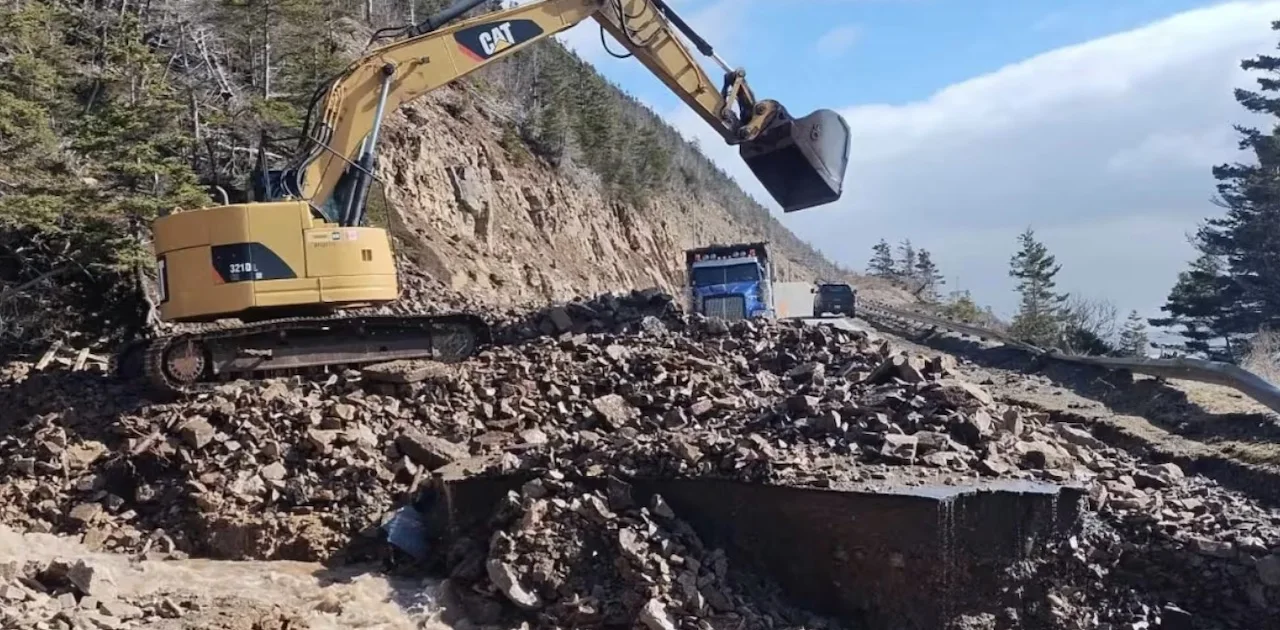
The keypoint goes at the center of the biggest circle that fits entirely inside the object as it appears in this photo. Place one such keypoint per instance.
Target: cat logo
(483, 41)
(496, 39)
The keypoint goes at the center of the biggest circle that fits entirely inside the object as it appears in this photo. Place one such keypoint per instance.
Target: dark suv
(839, 299)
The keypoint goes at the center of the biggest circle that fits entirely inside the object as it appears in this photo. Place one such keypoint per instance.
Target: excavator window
(337, 202)
(377, 210)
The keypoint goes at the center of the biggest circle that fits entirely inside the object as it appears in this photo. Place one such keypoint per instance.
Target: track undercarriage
(175, 363)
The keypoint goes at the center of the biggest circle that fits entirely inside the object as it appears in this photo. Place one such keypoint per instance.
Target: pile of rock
(622, 385)
(1159, 549)
(286, 468)
(1186, 541)
(607, 312)
(778, 402)
(292, 468)
(570, 557)
(614, 313)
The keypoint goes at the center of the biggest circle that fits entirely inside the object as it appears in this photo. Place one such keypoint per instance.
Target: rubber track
(154, 351)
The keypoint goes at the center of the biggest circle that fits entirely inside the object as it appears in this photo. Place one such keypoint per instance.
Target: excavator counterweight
(801, 162)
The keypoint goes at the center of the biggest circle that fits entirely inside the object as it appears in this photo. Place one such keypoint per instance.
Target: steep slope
(533, 232)
(562, 187)
(533, 179)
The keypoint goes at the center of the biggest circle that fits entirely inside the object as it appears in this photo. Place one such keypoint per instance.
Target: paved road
(846, 323)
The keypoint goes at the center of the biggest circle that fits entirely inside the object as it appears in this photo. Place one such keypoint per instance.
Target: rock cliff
(506, 226)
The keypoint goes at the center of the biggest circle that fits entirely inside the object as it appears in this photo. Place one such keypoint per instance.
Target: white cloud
(1104, 147)
(836, 41)
(1165, 150)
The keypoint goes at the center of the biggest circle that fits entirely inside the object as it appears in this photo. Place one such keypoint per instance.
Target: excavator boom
(800, 162)
(285, 262)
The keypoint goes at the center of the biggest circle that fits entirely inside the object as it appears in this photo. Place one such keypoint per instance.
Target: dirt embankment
(1208, 429)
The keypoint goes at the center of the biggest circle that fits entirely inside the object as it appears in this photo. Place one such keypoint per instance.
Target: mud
(250, 594)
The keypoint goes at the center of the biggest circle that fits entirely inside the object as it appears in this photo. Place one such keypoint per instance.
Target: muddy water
(351, 597)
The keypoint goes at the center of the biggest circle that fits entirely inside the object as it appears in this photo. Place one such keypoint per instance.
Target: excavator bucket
(801, 161)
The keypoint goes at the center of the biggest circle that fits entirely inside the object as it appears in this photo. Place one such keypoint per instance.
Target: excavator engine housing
(230, 261)
(801, 161)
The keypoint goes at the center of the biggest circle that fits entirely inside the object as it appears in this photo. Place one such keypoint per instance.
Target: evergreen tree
(547, 128)
(1133, 338)
(1232, 291)
(35, 106)
(1196, 309)
(881, 265)
(906, 266)
(1248, 236)
(1039, 314)
(960, 305)
(109, 154)
(927, 276)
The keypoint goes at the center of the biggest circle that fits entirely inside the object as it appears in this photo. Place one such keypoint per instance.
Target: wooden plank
(48, 355)
(80, 359)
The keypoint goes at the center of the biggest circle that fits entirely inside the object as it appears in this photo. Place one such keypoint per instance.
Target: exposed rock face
(473, 218)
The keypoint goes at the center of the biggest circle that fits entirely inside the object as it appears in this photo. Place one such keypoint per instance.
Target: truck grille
(725, 307)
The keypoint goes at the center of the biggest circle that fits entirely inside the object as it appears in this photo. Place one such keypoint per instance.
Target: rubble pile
(607, 312)
(623, 386)
(572, 557)
(294, 468)
(1185, 544)
(67, 594)
(1157, 549)
(757, 401)
(280, 469)
(240, 470)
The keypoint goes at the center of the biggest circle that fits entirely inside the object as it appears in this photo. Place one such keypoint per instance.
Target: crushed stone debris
(623, 385)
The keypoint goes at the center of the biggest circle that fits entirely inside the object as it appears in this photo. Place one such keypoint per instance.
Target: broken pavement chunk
(428, 450)
(654, 616)
(963, 394)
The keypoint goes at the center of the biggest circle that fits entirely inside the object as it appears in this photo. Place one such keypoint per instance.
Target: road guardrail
(1199, 370)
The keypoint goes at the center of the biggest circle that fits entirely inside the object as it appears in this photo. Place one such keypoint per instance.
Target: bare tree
(1089, 319)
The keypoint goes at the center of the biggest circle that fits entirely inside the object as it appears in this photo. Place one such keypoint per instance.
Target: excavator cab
(801, 161)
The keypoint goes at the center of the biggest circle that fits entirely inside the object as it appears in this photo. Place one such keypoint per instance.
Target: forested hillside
(115, 111)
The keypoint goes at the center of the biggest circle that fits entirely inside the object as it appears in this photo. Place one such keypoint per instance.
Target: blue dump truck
(731, 281)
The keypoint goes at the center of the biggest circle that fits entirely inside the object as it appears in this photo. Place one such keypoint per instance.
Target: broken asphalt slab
(860, 555)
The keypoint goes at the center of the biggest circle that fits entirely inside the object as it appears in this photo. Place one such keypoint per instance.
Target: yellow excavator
(290, 262)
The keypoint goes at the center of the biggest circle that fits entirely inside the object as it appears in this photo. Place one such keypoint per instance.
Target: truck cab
(835, 298)
(730, 281)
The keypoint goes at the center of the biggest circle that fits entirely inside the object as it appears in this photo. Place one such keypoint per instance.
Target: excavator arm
(801, 162)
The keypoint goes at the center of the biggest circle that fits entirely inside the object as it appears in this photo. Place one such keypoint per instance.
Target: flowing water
(348, 597)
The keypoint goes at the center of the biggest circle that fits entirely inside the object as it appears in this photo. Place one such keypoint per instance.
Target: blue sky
(1096, 123)
(880, 51)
